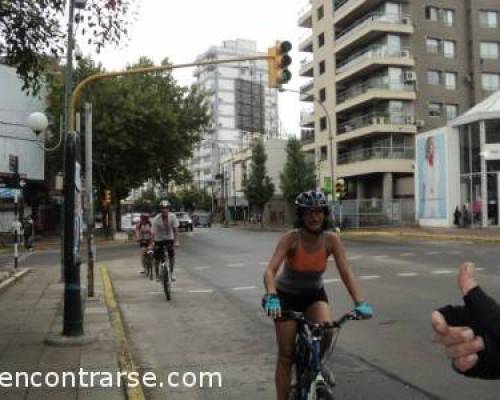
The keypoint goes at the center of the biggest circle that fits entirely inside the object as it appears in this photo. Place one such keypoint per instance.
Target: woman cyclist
(144, 235)
(299, 285)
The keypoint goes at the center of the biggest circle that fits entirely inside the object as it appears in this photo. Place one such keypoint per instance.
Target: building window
(323, 153)
(449, 48)
(448, 17)
(432, 45)
(322, 123)
(490, 82)
(432, 13)
(434, 109)
(322, 95)
(450, 80)
(322, 67)
(488, 19)
(433, 77)
(451, 111)
(320, 12)
(489, 50)
(321, 40)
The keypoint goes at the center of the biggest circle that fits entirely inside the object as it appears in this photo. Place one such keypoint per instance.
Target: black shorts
(301, 300)
(159, 249)
(144, 243)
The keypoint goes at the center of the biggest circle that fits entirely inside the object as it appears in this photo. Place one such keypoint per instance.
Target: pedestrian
(465, 216)
(471, 333)
(28, 233)
(457, 216)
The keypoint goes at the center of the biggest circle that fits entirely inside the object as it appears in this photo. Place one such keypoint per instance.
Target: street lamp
(38, 123)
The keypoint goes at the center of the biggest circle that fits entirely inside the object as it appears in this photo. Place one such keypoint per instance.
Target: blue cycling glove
(364, 309)
(271, 304)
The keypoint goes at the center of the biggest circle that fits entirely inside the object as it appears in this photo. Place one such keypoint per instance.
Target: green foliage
(33, 32)
(195, 198)
(258, 188)
(142, 125)
(298, 174)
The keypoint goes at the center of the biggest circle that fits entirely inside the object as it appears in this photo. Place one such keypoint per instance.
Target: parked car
(185, 221)
(202, 219)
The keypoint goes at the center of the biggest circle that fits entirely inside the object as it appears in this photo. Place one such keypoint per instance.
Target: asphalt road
(214, 324)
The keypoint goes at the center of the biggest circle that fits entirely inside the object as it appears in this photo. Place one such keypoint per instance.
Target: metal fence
(356, 214)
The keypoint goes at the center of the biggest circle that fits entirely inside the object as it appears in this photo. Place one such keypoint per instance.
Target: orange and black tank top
(303, 270)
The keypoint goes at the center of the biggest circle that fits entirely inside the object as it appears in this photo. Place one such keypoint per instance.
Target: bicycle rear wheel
(165, 279)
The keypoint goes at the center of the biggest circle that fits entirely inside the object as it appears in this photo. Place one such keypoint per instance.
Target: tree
(258, 188)
(32, 32)
(298, 175)
(141, 125)
(195, 198)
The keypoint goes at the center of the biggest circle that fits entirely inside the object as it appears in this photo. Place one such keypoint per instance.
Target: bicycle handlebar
(298, 316)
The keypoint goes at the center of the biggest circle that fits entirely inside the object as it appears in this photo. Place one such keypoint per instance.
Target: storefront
(457, 168)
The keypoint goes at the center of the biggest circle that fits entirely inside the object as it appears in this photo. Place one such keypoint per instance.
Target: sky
(183, 29)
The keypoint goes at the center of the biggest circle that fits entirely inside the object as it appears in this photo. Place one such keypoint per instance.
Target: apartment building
(241, 105)
(385, 71)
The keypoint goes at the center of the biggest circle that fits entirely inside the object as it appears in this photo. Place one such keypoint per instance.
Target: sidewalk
(31, 310)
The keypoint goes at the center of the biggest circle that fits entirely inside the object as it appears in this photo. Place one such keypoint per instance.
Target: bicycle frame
(308, 350)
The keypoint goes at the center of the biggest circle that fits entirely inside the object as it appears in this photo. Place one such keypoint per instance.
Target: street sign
(13, 163)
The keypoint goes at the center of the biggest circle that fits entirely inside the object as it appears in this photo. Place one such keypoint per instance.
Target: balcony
(351, 9)
(307, 136)
(307, 118)
(369, 28)
(305, 16)
(306, 43)
(376, 122)
(370, 59)
(377, 153)
(307, 67)
(306, 92)
(368, 91)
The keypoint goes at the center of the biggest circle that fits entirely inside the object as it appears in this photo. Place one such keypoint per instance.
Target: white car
(185, 221)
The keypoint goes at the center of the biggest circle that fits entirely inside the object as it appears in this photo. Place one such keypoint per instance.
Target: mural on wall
(431, 164)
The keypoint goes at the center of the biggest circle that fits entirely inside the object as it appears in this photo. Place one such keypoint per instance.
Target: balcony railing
(377, 153)
(372, 52)
(306, 60)
(358, 90)
(370, 18)
(305, 8)
(305, 116)
(338, 4)
(307, 136)
(306, 88)
(380, 118)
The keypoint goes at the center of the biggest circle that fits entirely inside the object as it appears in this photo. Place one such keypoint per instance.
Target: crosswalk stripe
(331, 280)
(480, 269)
(235, 265)
(352, 258)
(382, 256)
(407, 254)
(264, 263)
(407, 274)
(201, 291)
(245, 288)
(366, 277)
(442, 272)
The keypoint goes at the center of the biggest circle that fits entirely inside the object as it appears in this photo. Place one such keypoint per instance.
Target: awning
(489, 108)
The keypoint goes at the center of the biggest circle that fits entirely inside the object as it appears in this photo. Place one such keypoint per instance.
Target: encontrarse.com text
(90, 379)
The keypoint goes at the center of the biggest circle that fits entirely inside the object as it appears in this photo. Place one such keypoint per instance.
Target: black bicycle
(309, 380)
(165, 277)
(147, 263)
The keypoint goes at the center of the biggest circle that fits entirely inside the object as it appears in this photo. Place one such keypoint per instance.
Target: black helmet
(311, 199)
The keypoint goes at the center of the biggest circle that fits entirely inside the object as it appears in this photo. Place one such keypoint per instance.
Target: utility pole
(90, 199)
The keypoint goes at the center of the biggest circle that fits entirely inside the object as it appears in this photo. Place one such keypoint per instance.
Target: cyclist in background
(144, 236)
(165, 235)
(299, 286)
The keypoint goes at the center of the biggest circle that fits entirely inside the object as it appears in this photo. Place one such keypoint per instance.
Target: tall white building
(241, 104)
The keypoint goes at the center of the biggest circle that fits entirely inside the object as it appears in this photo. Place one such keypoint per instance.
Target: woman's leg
(319, 311)
(285, 335)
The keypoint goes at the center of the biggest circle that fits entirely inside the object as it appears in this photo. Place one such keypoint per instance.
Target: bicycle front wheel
(165, 279)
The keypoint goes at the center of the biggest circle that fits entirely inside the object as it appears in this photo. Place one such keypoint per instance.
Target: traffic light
(340, 189)
(107, 197)
(278, 62)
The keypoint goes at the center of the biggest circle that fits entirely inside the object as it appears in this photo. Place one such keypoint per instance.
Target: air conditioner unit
(410, 76)
(406, 20)
(378, 121)
(405, 53)
(409, 120)
(347, 128)
(420, 123)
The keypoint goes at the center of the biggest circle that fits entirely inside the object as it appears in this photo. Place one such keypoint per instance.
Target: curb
(4, 285)
(421, 236)
(126, 361)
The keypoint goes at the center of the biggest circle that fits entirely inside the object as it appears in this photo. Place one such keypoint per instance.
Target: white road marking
(430, 253)
(455, 252)
(366, 277)
(352, 258)
(407, 274)
(442, 272)
(245, 288)
(201, 291)
(235, 265)
(202, 267)
(407, 254)
(480, 269)
(264, 263)
(331, 280)
(383, 256)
